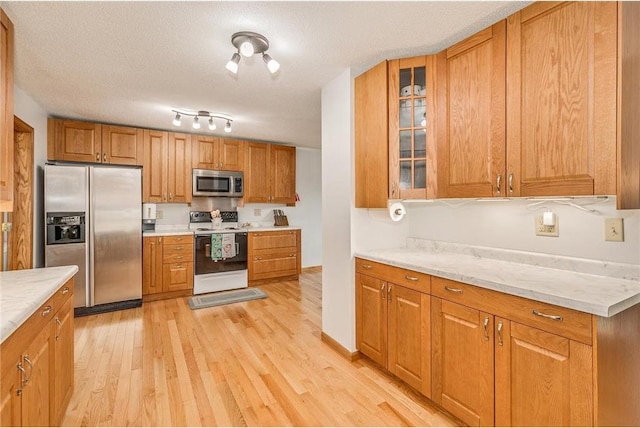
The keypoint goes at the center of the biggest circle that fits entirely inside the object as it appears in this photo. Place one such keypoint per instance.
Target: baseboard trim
(312, 269)
(351, 356)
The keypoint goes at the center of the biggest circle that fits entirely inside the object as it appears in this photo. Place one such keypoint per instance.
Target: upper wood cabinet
(122, 145)
(6, 113)
(412, 154)
(372, 138)
(218, 153)
(628, 105)
(167, 167)
(471, 116)
(561, 99)
(77, 141)
(270, 173)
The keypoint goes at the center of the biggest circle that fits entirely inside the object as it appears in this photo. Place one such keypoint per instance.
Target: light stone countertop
(22, 292)
(184, 230)
(588, 292)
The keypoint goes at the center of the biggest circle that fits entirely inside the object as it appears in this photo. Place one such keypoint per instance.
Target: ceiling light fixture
(204, 114)
(249, 43)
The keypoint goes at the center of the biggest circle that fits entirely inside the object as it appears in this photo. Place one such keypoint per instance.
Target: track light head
(227, 127)
(196, 123)
(272, 64)
(232, 65)
(212, 126)
(177, 121)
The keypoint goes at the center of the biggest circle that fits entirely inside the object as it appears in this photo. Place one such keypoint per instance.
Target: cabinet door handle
(367, 266)
(164, 197)
(485, 324)
(511, 183)
(24, 375)
(389, 293)
(500, 333)
(59, 324)
(453, 290)
(543, 315)
(104, 157)
(28, 361)
(498, 183)
(411, 278)
(65, 290)
(382, 291)
(97, 157)
(393, 189)
(47, 310)
(170, 196)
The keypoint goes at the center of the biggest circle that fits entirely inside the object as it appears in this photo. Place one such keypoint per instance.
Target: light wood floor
(257, 363)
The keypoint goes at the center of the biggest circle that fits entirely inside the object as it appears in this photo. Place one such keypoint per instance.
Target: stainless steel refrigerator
(94, 220)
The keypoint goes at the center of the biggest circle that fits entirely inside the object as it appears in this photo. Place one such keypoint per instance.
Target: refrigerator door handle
(91, 252)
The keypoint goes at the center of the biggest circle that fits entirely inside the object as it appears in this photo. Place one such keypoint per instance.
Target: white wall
(29, 111)
(510, 224)
(338, 299)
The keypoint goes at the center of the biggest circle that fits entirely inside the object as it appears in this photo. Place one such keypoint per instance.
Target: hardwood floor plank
(256, 363)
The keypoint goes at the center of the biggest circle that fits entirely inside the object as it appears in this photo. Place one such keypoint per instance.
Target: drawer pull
(500, 333)
(543, 315)
(47, 310)
(485, 324)
(367, 266)
(179, 257)
(178, 248)
(65, 290)
(411, 278)
(453, 290)
(292, 255)
(382, 291)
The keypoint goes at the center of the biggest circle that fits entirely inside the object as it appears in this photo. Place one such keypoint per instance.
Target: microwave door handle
(237, 248)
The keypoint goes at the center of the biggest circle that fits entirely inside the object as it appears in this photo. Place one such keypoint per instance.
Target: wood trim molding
(351, 356)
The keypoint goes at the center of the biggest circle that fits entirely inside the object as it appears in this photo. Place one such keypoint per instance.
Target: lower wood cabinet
(167, 266)
(274, 255)
(393, 323)
(36, 379)
(494, 359)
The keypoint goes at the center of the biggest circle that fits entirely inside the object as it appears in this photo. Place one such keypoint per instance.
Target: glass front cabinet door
(411, 148)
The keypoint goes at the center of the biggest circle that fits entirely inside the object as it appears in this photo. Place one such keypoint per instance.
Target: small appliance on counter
(148, 217)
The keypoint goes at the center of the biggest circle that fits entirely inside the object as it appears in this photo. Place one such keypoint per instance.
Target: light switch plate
(257, 212)
(614, 229)
(159, 214)
(542, 230)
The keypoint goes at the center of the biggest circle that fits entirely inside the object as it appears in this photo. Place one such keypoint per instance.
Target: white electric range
(220, 262)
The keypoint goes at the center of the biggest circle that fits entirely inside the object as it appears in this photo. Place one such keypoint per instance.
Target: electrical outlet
(613, 229)
(542, 230)
(159, 214)
(257, 212)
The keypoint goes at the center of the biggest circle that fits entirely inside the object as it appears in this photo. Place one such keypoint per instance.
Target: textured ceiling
(132, 62)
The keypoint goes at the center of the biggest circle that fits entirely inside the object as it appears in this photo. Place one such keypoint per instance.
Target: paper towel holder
(397, 211)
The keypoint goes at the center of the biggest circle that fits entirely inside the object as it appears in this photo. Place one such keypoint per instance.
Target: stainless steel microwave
(208, 182)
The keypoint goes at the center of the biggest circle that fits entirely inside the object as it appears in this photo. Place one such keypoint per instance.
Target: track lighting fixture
(249, 43)
(204, 114)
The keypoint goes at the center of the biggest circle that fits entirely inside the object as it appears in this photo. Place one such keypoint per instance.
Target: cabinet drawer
(408, 278)
(63, 294)
(275, 265)
(184, 249)
(565, 322)
(177, 239)
(277, 239)
(177, 257)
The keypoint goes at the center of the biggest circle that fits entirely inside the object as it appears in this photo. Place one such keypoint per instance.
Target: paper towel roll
(397, 211)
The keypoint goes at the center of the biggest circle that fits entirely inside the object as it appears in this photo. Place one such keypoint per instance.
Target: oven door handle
(207, 250)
